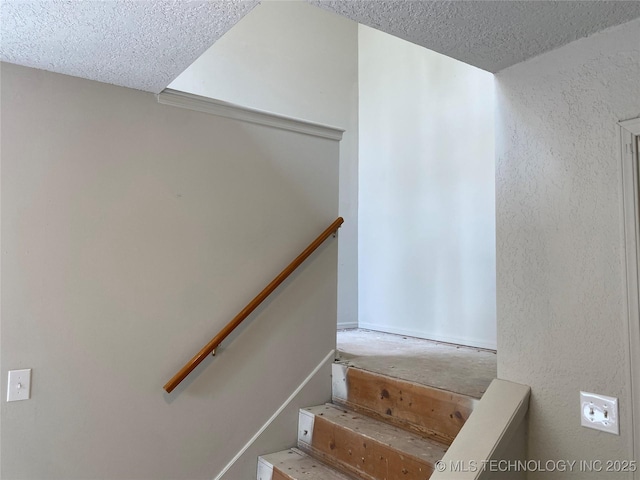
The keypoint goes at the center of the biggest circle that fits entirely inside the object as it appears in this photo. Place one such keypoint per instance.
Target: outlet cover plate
(19, 387)
(599, 412)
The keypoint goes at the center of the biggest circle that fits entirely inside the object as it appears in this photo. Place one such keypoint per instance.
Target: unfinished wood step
(364, 447)
(432, 412)
(294, 464)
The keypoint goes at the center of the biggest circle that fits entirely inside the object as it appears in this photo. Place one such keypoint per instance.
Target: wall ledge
(212, 106)
(488, 432)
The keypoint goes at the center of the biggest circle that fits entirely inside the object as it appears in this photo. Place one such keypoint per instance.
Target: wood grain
(432, 412)
(369, 449)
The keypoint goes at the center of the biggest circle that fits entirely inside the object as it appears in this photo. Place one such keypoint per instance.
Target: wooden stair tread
(378, 428)
(375, 430)
(293, 464)
(364, 447)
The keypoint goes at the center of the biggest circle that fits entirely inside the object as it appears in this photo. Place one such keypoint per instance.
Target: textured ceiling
(491, 35)
(138, 44)
(146, 44)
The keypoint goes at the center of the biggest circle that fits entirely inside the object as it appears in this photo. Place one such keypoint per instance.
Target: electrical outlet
(599, 412)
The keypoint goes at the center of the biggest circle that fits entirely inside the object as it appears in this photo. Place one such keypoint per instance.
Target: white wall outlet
(19, 387)
(599, 412)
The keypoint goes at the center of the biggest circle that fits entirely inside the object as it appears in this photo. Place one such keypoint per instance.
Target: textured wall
(131, 233)
(559, 238)
(295, 59)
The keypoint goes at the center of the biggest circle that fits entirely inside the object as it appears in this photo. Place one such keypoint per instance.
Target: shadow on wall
(132, 232)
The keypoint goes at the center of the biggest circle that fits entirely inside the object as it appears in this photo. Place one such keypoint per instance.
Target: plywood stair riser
(366, 448)
(435, 413)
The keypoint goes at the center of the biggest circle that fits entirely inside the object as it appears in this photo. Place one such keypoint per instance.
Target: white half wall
(426, 193)
(562, 324)
(132, 232)
(294, 59)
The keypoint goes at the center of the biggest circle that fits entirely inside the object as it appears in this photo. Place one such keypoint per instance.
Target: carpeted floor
(455, 368)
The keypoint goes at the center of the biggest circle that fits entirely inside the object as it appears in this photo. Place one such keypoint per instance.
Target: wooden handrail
(246, 311)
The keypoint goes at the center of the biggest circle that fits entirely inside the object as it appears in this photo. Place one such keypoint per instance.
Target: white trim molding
(632, 126)
(466, 341)
(328, 358)
(212, 106)
(339, 387)
(347, 325)
(306, 421)
(629, 130)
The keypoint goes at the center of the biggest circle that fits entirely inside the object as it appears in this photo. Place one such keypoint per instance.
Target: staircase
(376, 428)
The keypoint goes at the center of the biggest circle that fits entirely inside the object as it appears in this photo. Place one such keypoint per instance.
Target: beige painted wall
(427, 198)
(560, 269)
(131, 232)
(292, 58)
